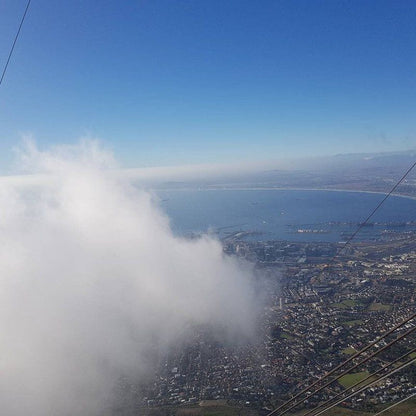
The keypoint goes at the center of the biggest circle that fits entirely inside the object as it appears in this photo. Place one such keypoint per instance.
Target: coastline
(288, 189)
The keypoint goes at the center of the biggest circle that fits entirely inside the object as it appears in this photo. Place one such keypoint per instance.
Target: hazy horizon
(233, 171)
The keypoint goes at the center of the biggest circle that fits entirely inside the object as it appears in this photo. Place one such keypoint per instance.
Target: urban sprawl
(316, 314)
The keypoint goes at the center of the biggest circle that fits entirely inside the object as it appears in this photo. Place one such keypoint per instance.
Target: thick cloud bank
(91, 279)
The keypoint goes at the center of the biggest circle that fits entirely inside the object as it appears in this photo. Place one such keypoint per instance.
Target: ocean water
(293, 215)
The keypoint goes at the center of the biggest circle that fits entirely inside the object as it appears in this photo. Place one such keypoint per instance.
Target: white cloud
(91, 277)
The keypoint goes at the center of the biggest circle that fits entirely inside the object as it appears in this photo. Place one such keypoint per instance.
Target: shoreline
(289, 189)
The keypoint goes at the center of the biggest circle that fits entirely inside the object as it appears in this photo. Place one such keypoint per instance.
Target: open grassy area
(346, 304)
(219, 408)
(404, 409)
(349, 351)
(215, 408)
(350, 379)
(286, 335)
(337, 411)
(379, 307)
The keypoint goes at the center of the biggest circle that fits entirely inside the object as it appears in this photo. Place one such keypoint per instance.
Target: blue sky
(205, 81)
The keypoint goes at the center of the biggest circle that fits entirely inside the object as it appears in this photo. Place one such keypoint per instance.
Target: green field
(349, 351)
(346, 304)
(379, 307)
(338, 411)
(286, 335)
(219, 409)
(350, 379)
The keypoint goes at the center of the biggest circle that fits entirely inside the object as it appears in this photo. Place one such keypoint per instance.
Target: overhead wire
(14, 42)
(361, 225)
(365, 222)
(370, 376)
(339, 366)
(367, 219)
(408, 332)
(413, 360)
(396, 404)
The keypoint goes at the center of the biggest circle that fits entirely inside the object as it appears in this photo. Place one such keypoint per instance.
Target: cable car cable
(14, 42)
(395, 404)
(310, 412)
(408, 332)
(367, 386)
(338, 367)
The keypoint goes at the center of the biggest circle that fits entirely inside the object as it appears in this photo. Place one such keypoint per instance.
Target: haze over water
(279, 214)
